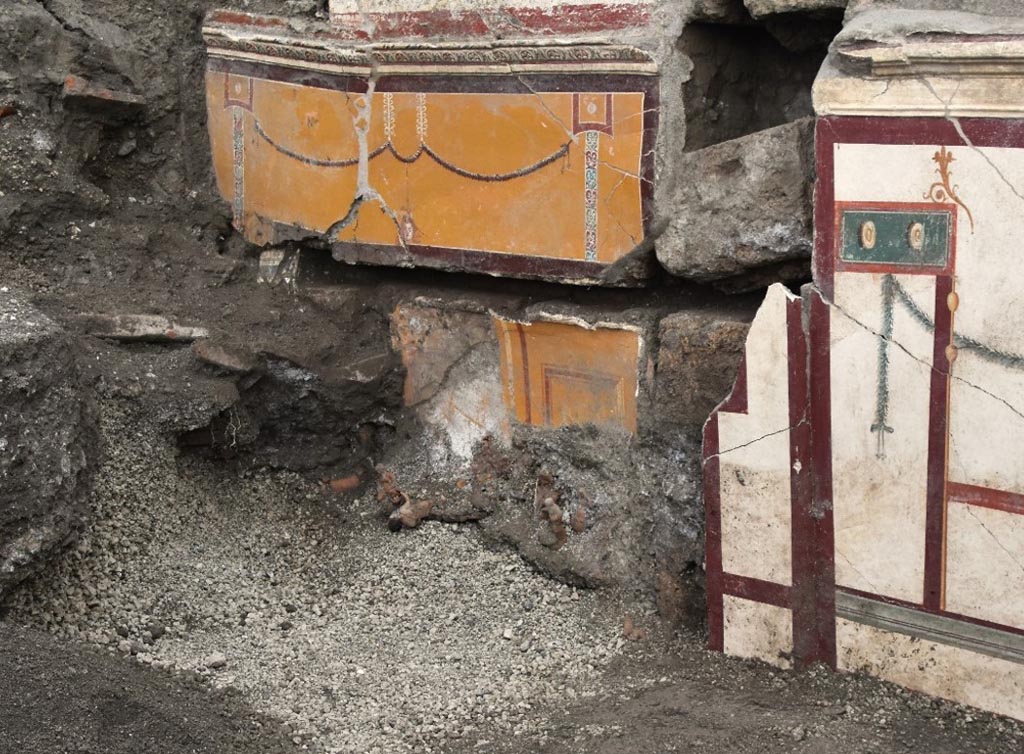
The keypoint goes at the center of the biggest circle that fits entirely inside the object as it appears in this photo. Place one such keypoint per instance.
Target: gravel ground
(362, 640)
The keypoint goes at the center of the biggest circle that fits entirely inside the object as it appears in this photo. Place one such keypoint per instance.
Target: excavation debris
(141, 327)
(360, 640)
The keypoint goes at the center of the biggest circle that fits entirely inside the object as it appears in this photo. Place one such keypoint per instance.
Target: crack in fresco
(364, 191)
(1003, 547)
(955, 121)
(917, 359)
(756, 439)
(854, 568)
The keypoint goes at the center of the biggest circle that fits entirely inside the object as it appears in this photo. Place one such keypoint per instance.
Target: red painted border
(605, 126)
(757, 590)
(841, 266)
(714, 576)
(938, 438)
(525, 358)
(982, 132)
(813, 585)
(736, 403)
(985, 497)
(588, 377)
(818, 515)
(715, 586)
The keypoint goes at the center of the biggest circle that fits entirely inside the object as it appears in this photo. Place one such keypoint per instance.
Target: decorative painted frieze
(864, 482)
(531, 156)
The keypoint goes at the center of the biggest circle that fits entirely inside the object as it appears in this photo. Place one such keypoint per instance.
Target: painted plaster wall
(906, 544)
(429, 134)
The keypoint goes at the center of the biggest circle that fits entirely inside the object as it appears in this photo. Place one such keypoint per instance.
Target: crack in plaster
(856, 570)
(996, 539)
(361, 122)
(442, 382)
(756, 439)
(915, 358)
(568, 130)
(947, 106)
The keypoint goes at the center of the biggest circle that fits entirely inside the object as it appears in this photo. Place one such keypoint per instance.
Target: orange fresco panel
(219, 123)
(493, 172)
(556, 374)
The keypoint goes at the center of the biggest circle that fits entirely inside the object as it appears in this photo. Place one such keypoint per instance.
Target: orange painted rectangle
(557, 374)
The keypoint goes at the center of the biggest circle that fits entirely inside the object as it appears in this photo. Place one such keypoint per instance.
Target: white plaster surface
(937, 669)
(986, 397)
(880, 516)
(754, 629)
(985, 571)
(879, 502)
(754, 455)
(467, 412)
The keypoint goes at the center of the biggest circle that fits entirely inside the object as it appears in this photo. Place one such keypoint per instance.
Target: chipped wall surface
(471, 373)
(864, 477)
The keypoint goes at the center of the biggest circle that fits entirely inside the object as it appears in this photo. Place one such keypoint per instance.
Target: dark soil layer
(65, 697)
(685, 699)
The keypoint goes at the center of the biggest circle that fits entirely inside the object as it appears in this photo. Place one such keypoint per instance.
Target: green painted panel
(900, 239)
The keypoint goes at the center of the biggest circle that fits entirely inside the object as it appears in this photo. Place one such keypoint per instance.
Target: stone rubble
(362, 640)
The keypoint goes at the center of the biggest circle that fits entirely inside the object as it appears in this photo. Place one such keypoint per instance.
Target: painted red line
(714, 574)
(560, 19)
(985, 497)
(823, 258)
(757, 590)
(938, 419)
(736, 403)
(813, 613)
(713, 535)
(923, 609)
(983, 132)
(820, 515)
(526, 371)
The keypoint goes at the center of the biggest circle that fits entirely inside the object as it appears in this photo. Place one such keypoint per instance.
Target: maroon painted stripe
(757, 590)
(985, 497)
(524, 355)
(817, 517)
(923, 609)
(562, 19)
(466, 260)
(938, 419)
(559, 19)
(813, 632)
(713, 535)
(823, 258)
(736, 403)
(983, 132)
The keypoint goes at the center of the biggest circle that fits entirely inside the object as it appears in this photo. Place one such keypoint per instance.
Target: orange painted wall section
(556, 374)
(495, 172)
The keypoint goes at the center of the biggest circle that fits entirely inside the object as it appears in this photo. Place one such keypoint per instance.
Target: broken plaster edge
(806, 292)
